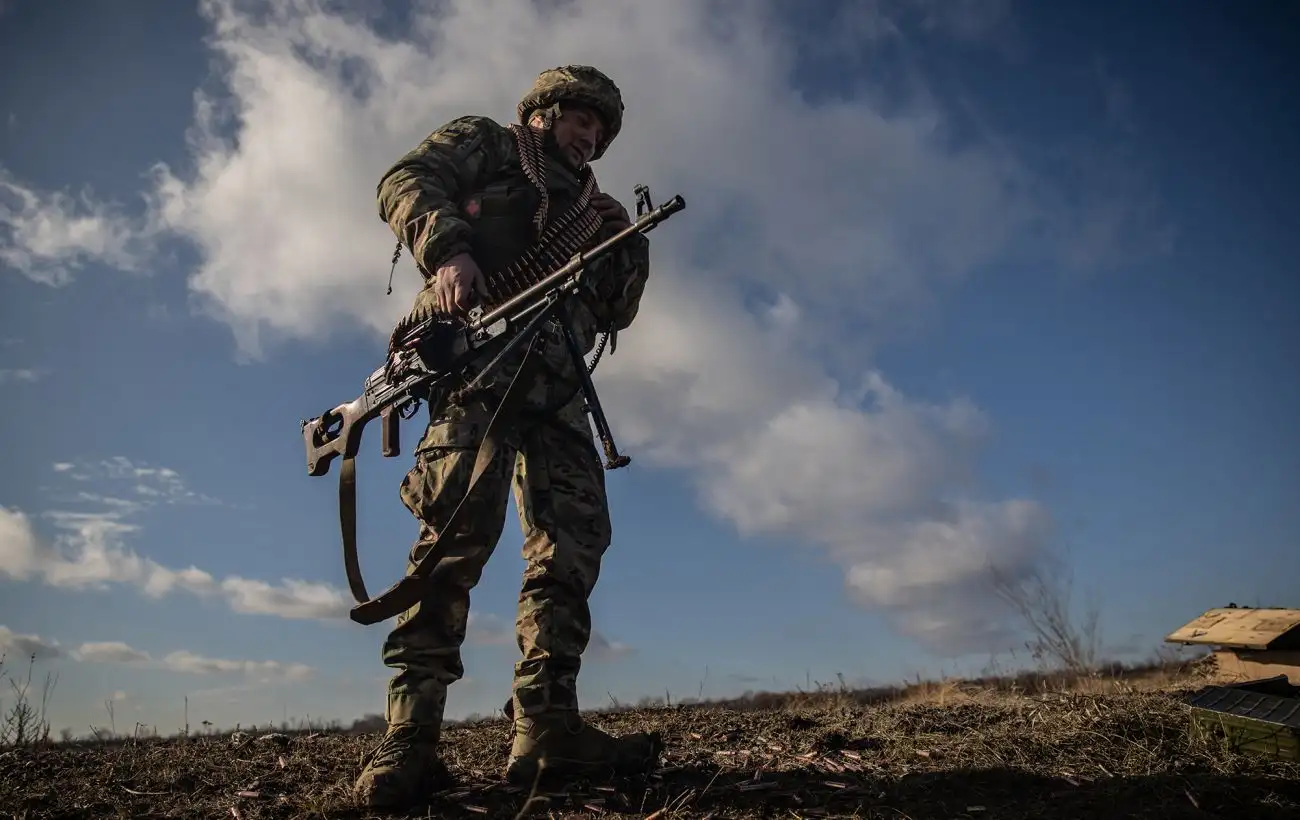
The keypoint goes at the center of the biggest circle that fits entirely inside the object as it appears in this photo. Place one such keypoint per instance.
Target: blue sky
(956, 284)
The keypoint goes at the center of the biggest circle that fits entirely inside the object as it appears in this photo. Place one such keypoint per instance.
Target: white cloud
(15, 647)
(291, 598)
(13, 644)
(873, 477)
(122, 506)
(48, 236)
(110, 652)
(191, 663)
(21, 374)
(151, 484)
(88, 553)
(19, 551)
(262, 670)
(601, 647)
(841, 214)
(880, 209)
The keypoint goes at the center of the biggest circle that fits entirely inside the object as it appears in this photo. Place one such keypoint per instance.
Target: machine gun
(435, 352)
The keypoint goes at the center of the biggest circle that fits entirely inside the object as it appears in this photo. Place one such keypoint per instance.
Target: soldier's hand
(611, 211)
(459, 284)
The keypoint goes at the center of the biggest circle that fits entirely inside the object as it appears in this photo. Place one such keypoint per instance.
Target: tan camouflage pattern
(550, 457)
(581, 84)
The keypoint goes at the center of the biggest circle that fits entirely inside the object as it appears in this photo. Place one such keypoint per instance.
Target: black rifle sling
(348, 524)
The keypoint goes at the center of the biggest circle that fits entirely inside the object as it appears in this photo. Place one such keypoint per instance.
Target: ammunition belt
(556, 243)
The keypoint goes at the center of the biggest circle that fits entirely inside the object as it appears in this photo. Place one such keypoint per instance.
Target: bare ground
(948, 752)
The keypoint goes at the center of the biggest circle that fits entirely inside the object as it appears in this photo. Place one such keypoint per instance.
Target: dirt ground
(951, 753)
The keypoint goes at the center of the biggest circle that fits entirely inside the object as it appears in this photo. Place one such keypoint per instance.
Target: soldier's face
(578, 130)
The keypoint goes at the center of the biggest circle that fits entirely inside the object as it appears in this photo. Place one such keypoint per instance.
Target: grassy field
(1031, 748)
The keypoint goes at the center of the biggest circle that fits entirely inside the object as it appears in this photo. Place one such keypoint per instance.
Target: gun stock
(335, 433)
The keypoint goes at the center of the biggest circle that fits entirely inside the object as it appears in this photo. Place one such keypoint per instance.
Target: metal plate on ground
(1256, 721)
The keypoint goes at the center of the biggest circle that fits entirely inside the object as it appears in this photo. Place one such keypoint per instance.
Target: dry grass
(1011, 749)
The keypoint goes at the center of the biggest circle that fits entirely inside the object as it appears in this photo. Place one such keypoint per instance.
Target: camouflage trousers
(559, 489)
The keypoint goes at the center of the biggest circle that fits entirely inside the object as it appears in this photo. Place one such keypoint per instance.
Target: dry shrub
(23, 722)
(1041, 597)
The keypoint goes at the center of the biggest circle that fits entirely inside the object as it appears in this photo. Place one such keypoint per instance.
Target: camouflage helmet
(579, 84)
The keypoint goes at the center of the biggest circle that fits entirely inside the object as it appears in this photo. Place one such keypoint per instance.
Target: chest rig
(521, 228)
(510, 211)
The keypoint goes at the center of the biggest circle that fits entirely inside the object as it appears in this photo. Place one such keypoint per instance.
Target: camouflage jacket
(463, 189)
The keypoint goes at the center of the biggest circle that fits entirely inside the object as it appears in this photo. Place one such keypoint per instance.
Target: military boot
(561, 745)
(403, 768)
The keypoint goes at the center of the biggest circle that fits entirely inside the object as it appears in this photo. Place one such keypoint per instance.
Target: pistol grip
(391, 441)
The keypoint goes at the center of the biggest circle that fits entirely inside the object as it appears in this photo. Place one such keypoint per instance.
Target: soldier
(471, 199)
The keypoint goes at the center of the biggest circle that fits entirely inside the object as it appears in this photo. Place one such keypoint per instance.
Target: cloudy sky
(958, 285)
